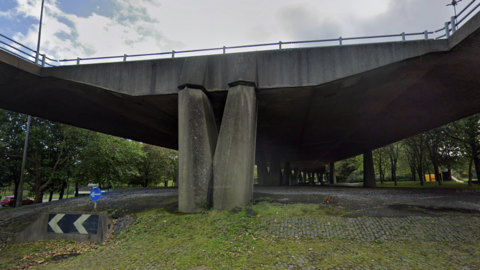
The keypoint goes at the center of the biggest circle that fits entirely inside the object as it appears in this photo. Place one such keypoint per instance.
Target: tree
(380, 162)
(393, 153)
(152, 167)
(467, 131)
(107, 160)
(416, 148)
(434, 138)
(51, 146)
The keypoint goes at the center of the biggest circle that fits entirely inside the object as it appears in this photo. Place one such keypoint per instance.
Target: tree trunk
(394, 175)
(476, 161)
(414, 175)
(421, 174)
(381, 172)
(470, 172)
(38, 195)
(51, 196)
(76, 190)
(62, 191)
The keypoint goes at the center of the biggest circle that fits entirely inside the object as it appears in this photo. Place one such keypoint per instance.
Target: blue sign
(95, 194)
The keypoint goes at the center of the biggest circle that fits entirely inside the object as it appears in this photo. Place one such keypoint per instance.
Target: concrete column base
(333, 177)
(368, 170)
(287, 174)
(196, 147)
(275, 173)
(235, 153)
(262, 170)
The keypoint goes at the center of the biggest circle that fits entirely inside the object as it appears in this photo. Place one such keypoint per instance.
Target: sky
(93, 28)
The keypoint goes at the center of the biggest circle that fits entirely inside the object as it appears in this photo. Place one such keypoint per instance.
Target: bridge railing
(15, 48)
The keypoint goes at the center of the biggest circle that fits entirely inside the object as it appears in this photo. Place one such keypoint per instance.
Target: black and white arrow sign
(69, 223)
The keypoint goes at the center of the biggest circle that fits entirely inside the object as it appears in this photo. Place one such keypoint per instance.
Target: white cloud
(146, 26)
(131, 30)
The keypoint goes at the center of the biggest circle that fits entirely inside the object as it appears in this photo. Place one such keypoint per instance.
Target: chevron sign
(69, 223)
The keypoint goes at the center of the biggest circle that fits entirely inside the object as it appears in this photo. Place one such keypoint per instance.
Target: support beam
(333, 176)
(287, 174)
(274, 174)
(368, 170)
(196, 144)
(295, 176)
(262, 170)
(235, 153)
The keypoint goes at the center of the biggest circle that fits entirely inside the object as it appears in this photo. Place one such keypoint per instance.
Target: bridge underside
(307, 126)
(304, 127)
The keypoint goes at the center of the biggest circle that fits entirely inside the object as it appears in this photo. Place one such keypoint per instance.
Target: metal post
(124, 58)
(447, 31)
(223, 49)
(403, 36)
(78, 60)
(426, 34)
(19, 195)
(452, 20)
(173, 54)
(95, 207)
(340, 39)
(43, 60)
(39, 34)
(280, 45)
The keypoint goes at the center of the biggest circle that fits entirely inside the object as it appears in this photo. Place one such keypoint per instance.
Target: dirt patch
(122, 223)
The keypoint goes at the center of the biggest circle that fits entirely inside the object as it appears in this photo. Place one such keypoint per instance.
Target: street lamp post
(454, 4)
(39, 34)
(19, 195)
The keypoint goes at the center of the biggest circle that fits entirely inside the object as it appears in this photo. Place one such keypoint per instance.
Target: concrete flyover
(301, 108)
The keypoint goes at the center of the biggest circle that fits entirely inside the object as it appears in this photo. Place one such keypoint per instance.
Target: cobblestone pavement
(451, 229)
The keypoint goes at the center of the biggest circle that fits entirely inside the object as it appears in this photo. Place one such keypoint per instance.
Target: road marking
(53, 223)
(79, 226)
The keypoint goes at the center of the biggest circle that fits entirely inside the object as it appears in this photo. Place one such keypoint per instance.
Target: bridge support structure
(368, 170)
(216, 167)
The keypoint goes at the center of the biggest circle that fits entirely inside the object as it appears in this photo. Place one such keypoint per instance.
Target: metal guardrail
(449, 28)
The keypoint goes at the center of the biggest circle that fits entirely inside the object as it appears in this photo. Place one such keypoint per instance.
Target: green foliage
(108, 160)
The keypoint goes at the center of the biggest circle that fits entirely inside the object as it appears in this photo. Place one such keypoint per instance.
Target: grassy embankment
(225, 240)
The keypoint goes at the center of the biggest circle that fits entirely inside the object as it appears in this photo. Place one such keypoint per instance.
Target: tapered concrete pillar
(235, 153)
(197, 139)
(287, 174)
(333, 177)
(295, 176)
(262, 170)
(274, 174)
(320, 178)
(311, 178)
(368, 170)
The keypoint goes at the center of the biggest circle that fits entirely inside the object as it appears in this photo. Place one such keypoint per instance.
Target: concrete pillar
(262, 170)
(275, 173)
(320, 178)
(295, 176)
(287, 174)
(333, 177)
(197, 139)
(235, 153)
(368, 170)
